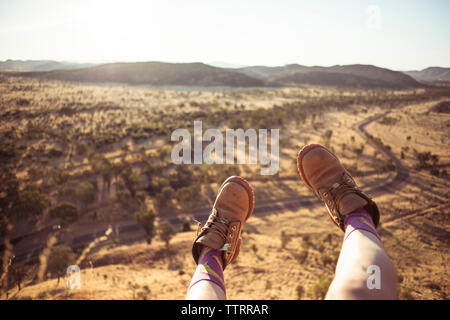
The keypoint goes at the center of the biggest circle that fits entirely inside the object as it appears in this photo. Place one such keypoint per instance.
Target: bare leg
(360, 251)
(205, 290)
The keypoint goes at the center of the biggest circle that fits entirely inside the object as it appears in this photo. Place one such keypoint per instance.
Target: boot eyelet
(230, 235)
(233, 228)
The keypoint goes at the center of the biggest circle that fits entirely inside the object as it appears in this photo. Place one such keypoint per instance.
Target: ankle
(359, 219)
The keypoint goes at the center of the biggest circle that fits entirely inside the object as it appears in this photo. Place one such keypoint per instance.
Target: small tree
(300, 291)
(146, 218)
(107, 177)
(60, 258)
(285, 239)
(9, 189)
(18, 273)
(186, 225)
(166, 232)
(164, 197)
(81, 149)
(32, 201)
(186, 194)
(131, 179)
(434, 159)
(326, 137)
(86, 192)
(66, 212)
(4, 223)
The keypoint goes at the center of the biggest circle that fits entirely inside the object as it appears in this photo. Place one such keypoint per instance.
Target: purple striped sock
(209, 268)
(359, 219)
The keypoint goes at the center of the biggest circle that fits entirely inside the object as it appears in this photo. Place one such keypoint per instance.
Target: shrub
(186, 225)
(326, 260)
(86, 192)
(359, 151)
(123, 196)
(81, 149)
(157, 185)
(65, 212)
(424, 157)
(389, 121)
(388, 165)
(22, 102)
(165, 196)
(300, 291)
(319, 289)
(405, 293)
(326, 137)
(301, 257)
(4, 226)
(285, 239)
(146, 218)
(168, 192)
(186, 194)
(131, 180)
(60, 258)
(32, 201)
(254, 248)
(166, 232)
(60, 176)
(183, 177)
(54, 153)
(18, 273)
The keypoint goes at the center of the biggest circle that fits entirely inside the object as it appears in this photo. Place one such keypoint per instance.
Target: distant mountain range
(40, 65)
(200, 74)
(154, 73)
(432, 74)
(349, 75)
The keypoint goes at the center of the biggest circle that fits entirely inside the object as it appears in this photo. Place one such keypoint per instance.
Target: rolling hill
(200, 74)
(40, 65)
(155, 73)
(431, 74)
(347, 75)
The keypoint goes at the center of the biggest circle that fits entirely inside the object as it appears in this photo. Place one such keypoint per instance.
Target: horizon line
(215, 63)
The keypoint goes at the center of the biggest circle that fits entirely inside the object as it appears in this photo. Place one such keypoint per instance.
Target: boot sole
(244, 183)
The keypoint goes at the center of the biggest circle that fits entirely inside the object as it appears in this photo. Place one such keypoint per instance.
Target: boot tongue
(350, 203)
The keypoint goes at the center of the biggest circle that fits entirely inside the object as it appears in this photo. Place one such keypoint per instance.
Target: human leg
(364, 270)
(219, 241)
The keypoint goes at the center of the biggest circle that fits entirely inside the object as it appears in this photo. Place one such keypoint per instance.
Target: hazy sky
(399, 34)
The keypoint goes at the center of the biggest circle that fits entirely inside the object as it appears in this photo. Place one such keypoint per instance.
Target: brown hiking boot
(233, 206)
(321, 171)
